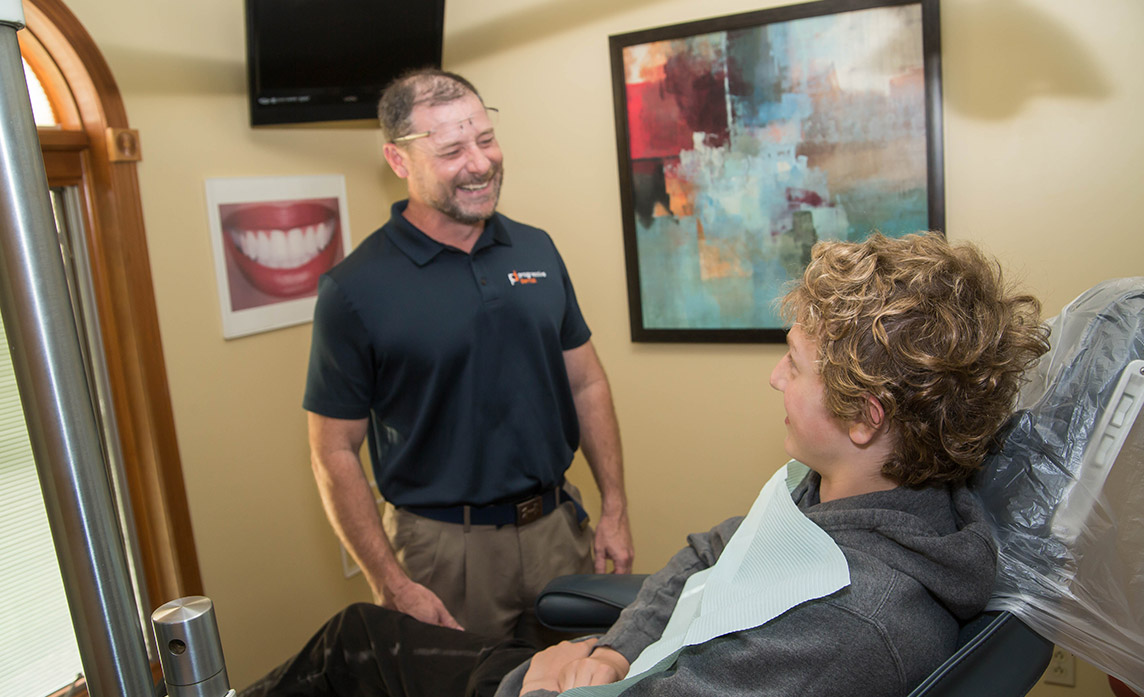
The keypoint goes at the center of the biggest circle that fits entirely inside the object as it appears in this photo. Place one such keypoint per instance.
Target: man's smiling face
(458, 168)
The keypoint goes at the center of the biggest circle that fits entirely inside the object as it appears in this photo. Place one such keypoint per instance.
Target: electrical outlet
(1062, 668)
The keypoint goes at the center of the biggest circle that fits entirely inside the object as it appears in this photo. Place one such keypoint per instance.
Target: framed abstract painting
(745, 139)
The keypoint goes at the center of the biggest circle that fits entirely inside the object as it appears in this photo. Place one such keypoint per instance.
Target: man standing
(452, 338)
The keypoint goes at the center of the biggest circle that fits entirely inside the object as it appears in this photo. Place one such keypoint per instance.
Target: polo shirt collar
(422, 248)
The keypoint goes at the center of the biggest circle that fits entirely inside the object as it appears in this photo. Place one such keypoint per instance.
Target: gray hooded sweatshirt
(921, 562)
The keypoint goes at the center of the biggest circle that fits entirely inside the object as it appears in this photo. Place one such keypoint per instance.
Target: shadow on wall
(139, 71)
(1008, 54)
(157, 73)
(536, 23)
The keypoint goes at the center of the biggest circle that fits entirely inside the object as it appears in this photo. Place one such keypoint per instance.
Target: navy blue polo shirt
(456, 359)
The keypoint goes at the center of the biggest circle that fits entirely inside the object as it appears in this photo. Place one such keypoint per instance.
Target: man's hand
(602, 667)
(419, 602)
(614, 541)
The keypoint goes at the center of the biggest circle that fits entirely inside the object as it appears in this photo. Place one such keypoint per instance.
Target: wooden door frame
(95, 149)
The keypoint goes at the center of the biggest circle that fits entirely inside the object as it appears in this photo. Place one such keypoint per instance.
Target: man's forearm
(352, 510)
(600, 442)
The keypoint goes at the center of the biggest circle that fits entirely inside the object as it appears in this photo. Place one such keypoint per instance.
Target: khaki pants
(489, 577)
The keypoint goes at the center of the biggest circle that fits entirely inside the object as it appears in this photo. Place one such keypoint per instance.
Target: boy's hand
(544, 670)
(603, 666)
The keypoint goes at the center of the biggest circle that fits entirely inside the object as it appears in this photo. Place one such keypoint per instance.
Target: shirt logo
(525, 277)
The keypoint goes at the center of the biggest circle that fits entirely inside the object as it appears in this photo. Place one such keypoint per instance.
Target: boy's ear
(863, 431)
(396, 160)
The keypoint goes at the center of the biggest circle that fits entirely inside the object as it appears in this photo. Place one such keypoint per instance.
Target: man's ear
(863, 431)
(396, 159)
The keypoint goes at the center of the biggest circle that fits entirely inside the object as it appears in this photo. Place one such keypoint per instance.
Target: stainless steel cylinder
(48, 361)
(190, 649)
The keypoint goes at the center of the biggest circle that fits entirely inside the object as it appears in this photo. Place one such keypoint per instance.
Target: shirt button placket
(486, 284)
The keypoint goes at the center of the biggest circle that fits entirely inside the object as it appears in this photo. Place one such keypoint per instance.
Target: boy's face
(815, 437)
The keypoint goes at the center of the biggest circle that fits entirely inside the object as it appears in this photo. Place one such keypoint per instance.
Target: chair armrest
(999, 655)
(586, 602)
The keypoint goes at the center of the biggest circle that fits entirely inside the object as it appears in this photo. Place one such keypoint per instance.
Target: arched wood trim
(52, 80)
(125, 299)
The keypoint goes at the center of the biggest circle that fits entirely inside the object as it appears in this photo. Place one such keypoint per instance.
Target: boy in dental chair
(904, 359)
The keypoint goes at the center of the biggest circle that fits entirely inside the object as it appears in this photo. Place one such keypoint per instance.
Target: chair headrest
(1082, 588)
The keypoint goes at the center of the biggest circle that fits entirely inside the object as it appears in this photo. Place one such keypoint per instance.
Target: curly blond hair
(931, 331)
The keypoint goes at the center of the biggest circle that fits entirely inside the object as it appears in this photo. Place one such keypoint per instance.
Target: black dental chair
(1064, 493)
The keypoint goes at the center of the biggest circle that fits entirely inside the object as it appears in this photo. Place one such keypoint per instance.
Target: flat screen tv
(328, 60)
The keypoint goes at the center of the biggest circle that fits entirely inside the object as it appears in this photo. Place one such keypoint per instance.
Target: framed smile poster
(273, 237)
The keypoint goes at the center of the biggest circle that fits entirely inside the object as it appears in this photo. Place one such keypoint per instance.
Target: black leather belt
(520, 512)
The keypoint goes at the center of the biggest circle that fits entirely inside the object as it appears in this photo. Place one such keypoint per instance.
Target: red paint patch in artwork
(804, 197)
(698, 86)
(656, 128)
(676, 95)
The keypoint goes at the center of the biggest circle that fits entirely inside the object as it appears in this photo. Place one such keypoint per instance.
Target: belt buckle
(529, 510)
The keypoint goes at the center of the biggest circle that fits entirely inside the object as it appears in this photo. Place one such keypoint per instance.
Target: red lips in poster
(282, 248)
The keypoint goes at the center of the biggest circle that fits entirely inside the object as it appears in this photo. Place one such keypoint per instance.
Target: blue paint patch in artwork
(893, 213)
(760, 113)
(752, 76)
(778, 38)
(675, 296)
(671, 289)
(747, 190)
(758, 68)
(770, 278)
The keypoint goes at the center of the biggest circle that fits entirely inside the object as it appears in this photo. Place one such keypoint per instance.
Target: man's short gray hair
(429, 86)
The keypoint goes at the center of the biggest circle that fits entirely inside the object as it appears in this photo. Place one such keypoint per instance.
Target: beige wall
(1043, 147)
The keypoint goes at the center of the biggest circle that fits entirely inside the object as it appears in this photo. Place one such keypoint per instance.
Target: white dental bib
(777, 559)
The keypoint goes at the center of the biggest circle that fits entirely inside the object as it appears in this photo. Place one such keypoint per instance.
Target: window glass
(42, 110)
(38, 652)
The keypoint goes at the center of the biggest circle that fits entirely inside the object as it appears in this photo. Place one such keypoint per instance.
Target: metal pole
(58, 408)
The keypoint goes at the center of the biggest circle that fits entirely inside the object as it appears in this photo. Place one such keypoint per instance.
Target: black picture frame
(859, 67)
